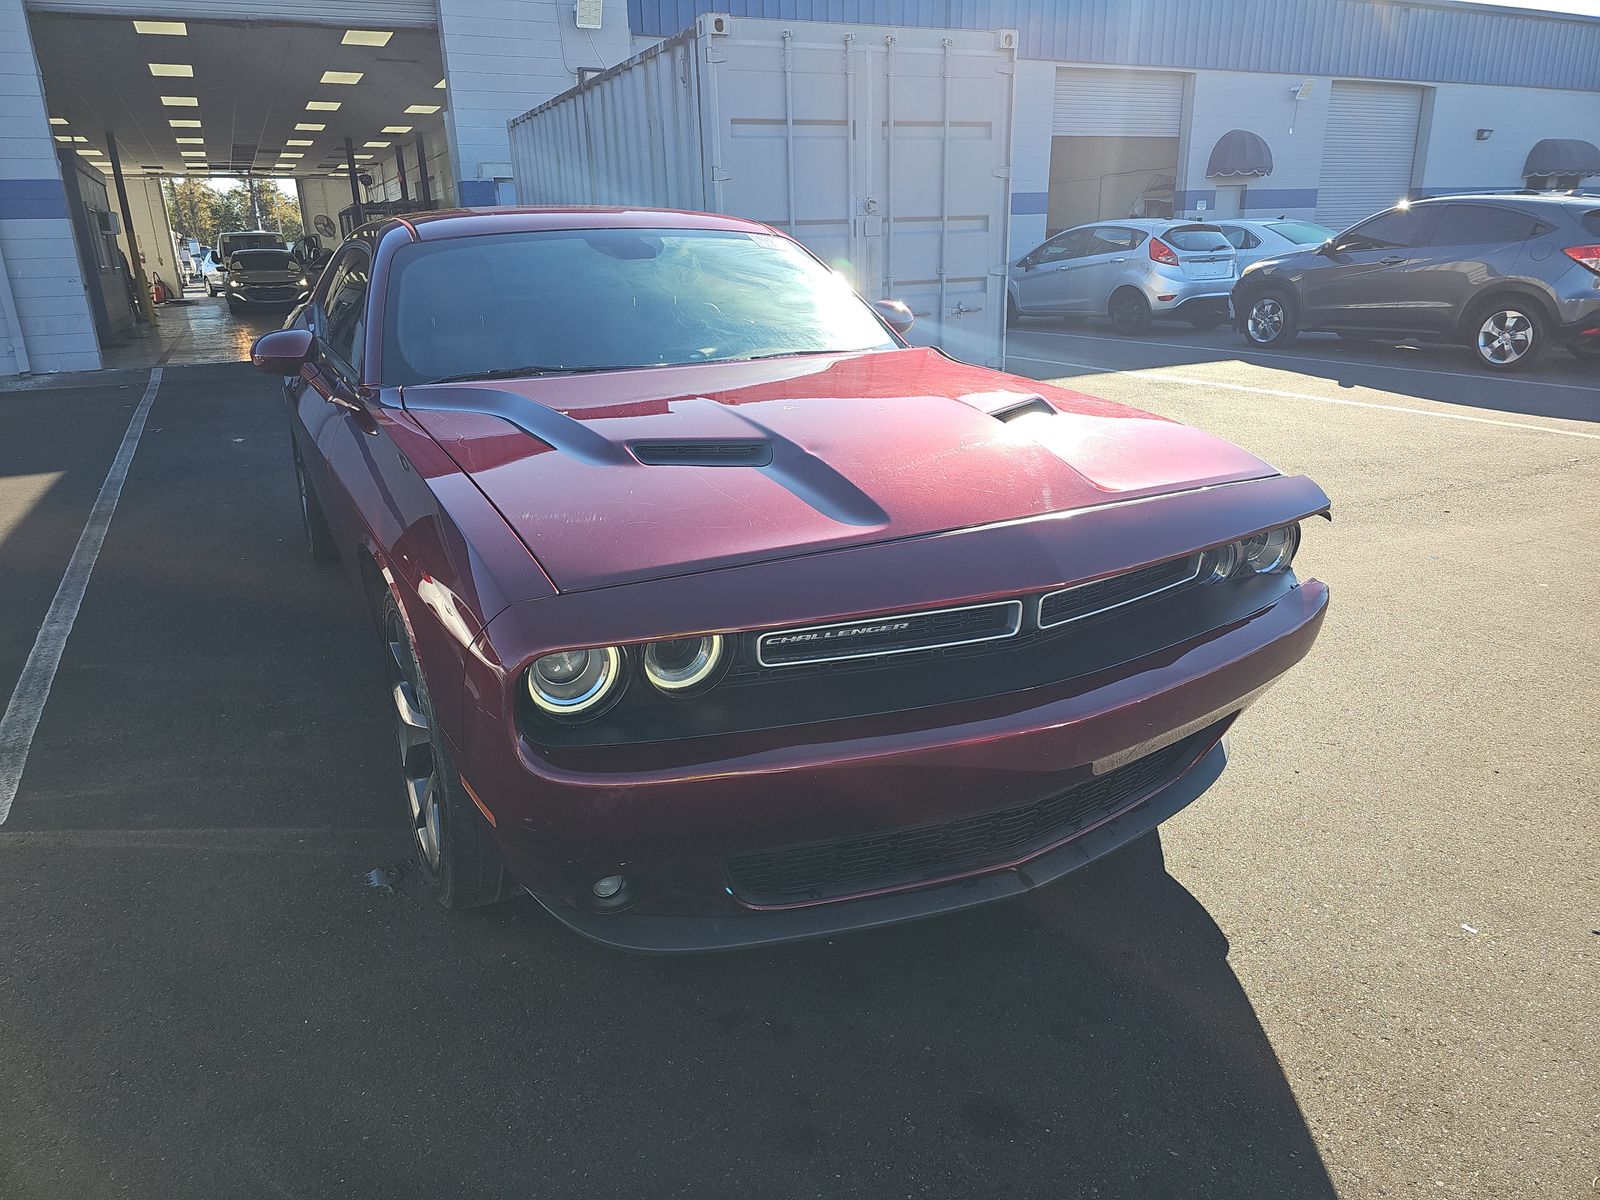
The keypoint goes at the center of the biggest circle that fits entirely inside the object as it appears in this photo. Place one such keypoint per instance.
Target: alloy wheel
(419, 773)
(1265, 321)
(1505, 337)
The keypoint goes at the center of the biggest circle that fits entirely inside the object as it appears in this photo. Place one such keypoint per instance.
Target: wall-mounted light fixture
(1301, 91)
(1485, 134)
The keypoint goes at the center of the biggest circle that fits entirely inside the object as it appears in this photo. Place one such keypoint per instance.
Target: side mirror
(283, 351)
(896, 314)
(1328, 248)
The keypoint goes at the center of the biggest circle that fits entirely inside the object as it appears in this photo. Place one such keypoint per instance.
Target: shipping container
(885, 151)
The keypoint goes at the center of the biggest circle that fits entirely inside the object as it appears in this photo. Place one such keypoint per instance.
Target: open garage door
(379, 14)
(1369, 151)
(1115, 147)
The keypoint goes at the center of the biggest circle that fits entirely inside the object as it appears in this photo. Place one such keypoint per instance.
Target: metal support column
(424, 189)
(147, 306)
(400, 170)
(355, 184)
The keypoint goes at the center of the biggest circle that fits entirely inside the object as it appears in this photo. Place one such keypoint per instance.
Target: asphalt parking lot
(1363, 965)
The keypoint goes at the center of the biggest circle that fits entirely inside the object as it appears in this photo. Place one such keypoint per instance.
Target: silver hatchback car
(1132, 270)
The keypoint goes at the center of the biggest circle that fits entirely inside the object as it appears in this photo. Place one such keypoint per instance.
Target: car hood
(623, 476)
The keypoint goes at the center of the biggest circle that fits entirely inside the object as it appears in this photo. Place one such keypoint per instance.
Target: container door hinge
(1003, 171)
(718, 175)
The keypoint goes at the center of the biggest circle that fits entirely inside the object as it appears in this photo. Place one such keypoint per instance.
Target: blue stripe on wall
(1255, 198)
(1355, 39)
(32, 200)
(1029, 204)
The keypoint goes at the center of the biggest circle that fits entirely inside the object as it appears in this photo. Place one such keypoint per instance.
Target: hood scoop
(1033, 406)
(704, 452)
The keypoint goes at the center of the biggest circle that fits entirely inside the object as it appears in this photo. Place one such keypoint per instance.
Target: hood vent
(1034, 405)
(718, 452)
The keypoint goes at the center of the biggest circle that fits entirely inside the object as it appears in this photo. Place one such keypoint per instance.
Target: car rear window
(1482, 225)
(1591, 221)
(1196, 237)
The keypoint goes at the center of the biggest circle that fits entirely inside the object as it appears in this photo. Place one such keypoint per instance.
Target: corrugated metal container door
(1368, 152)
(1117, 103)
(365, 14)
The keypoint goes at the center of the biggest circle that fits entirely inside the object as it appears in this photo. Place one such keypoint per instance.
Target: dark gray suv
(1505, 275)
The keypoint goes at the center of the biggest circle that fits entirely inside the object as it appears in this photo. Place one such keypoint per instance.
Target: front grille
(898, 634)
(900, 857)
(1075, 603)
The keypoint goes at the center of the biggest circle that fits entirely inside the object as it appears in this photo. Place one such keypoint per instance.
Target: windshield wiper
(791, 354)
(513, 372)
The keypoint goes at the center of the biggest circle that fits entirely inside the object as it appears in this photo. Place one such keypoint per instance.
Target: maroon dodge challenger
(718, 615)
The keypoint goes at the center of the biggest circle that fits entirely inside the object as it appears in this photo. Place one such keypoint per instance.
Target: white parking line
(27, 703)
(1161, 376)
(1238, 351)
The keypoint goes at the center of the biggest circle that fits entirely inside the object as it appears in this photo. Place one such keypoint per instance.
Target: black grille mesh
(824, 869)
(1118, 589)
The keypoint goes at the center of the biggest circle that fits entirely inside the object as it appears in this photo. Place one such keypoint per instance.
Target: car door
(326, 419)
(1044, 281)
(1470, 246)
(1104, 262)
(1359, 282)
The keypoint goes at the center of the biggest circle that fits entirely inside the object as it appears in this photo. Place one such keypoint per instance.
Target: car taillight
(1588, 256)
(1163, 253)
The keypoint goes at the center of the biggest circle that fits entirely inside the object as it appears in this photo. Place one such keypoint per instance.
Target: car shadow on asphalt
(1563, 387)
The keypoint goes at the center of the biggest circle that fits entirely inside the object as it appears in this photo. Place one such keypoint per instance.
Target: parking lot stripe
(1238, 351)
(27, 702)
(1160, 376)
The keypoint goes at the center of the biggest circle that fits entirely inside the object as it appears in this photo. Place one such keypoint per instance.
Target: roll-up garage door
(366, 14)
(1117, 103)
(1369, 150)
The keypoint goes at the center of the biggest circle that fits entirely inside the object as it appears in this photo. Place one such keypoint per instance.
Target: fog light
(605, 889)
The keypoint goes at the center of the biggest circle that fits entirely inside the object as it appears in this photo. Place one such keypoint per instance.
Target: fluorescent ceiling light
(192, 153)
(289, 154)
(92, 153)
(165, 28)
(197, 166)
(171, 70)
(376, 145)
(308, 128)
(423, 109)
(366, 37)
(299, 142)
(190, 141)
(363, 157)
(181, 101)
(342, 76)
(80, 138)
(396, 129)
(439, 86)
(58, 120)
(322, 105)
(63, 137)
(184, 124)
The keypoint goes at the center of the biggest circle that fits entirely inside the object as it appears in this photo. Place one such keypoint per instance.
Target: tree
(281, 211)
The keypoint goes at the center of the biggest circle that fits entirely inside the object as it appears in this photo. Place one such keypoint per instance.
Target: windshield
(262, 260)
(250, 241)
(1304, 233)
(608, 299)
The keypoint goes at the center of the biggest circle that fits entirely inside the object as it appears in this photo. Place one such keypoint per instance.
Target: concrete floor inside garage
(1361, 966)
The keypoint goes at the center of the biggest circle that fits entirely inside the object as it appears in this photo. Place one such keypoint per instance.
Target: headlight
(575, 683)
(1264, 554)
(1271, 551)
(682, 664)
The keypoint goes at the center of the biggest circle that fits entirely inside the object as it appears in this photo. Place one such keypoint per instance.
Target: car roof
(1537, 199)
(476, 222)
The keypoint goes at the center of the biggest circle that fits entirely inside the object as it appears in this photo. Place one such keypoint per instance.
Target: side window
(1113, 240)
(1481, 225)
(344, 307)
(1073, 243)
(1240, 238)
(1393, 230)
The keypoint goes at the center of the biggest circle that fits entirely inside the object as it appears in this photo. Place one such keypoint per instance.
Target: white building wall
(503, 57)
(45, 324)
(1453, 160)
(1034, 99)
(1265, 105)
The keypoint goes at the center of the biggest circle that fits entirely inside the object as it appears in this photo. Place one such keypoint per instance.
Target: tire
(1508, 334)
(1013, 313)
(319, 538)
(1129, 312)
(1270, 320)
(1206, 320)
(454, 847)
(211, 291)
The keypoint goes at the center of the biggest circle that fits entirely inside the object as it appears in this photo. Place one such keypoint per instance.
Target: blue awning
(1562, 156)
(1240, 152)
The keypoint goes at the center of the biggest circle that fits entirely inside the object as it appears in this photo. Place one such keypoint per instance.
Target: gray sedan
(1131, 270)
(1255, 240)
